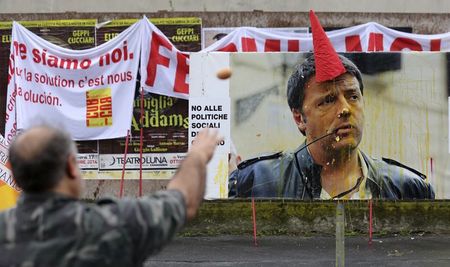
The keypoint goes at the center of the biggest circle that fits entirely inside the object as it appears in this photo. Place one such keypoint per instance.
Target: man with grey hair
(51, 227)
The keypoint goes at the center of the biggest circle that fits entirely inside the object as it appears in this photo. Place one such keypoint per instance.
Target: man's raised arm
(191, 175)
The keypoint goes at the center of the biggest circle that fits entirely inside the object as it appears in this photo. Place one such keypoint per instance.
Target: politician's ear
(299, 119)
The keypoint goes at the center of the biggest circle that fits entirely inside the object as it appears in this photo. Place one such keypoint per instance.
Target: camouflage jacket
(53, 230)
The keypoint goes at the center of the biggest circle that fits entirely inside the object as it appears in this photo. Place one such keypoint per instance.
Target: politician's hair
(304, 71)
(39, 161)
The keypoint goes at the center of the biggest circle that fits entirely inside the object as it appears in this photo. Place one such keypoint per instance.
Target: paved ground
(414, 250)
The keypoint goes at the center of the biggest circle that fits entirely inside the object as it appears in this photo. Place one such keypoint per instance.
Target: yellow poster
(99, 108)
(8, 196)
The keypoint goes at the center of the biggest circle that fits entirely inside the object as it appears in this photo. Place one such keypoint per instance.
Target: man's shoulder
(395, 178)
(410, 171)
(263, 159)
(266, 160)
(265, 165)
(260, 176)
(394, 169)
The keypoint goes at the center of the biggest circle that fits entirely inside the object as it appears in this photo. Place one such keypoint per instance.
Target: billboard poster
(184, 33)
(399, 132)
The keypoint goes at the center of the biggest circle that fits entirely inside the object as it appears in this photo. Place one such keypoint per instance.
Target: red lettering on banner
(248, 44)
(115, 56)
(91, 102)
(353, 43)
(435, 45)
(401, 43)
(155, 58)
(231, 47)
(12, 133)
(10, 67)
(181, 73)
(293, 45)
(20, 50)
(12, 102)
(271, 45)
(46, 59)
(375, 42)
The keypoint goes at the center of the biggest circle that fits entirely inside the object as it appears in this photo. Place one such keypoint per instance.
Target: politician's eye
(327, 100)
(354, 97)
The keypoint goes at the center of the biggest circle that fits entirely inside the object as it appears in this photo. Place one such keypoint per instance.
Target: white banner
(210, 34)
(164, 69)
(367, 37)
(87, 92)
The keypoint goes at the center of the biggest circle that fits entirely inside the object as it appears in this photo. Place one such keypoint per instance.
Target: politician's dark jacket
(295, 175)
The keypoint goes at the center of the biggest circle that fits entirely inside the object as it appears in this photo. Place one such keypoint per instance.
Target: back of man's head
(38, 158)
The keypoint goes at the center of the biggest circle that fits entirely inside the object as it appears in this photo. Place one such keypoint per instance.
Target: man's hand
(205, 144)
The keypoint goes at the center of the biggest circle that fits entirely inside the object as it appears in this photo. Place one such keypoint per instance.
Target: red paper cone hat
(328, 64)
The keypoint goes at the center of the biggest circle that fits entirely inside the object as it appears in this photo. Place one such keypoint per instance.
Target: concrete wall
(379, 6)
(424, 16)
(278, 217)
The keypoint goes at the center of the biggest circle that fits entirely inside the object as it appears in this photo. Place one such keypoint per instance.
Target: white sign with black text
(212, 113)
(87, 161)
(133, 161)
